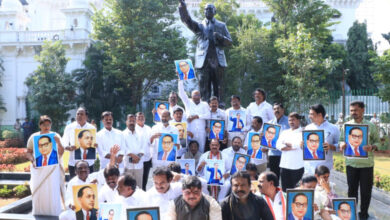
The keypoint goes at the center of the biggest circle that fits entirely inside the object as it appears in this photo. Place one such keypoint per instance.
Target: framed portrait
(152, 213)
(345, 208)
(185, 69)
(182, 128)
(187, 166)
(239, 162)
(217, 128)
(355, 136)
(271, 135)
(85, 197)
(300, 204)
(253, 143)
(313, 145)
(236, 120)
(255, 186)
(159, 106)
(166, 147)
(45, 150)
(85, 140)
(214, 171)
(108, 211)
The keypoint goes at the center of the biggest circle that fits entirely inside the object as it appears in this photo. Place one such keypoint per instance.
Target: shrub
(21, 191)
(8, 134)
(12, 155)
(5, 192)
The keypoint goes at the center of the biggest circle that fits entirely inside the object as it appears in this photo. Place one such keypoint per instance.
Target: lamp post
(343, 90)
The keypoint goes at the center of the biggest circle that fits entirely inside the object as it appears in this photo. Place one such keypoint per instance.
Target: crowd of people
(126, 158)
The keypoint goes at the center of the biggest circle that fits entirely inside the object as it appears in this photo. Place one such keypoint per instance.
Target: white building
(25, 24)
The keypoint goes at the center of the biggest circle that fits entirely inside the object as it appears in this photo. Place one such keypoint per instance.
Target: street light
(343, 90)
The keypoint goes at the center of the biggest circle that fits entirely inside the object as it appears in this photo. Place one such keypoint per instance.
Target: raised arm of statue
(186, 18)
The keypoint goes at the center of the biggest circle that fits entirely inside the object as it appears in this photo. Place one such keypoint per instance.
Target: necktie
(164, 156)
(85, 155)
(216, 175)
(254, 154)
(185, 76)
(269, 143)
(315, 155)
(356, 152)
(87, 218)
(238, 123)
(44, 161)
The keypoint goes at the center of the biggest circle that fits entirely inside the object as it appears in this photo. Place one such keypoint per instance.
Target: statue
(212, 36)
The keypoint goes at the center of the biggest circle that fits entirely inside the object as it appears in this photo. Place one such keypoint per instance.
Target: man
(215, 175)
(291, 162)
(48, 154)
(186, 169)
(235, 148)
(192, 204)
(216, 114)
(268, 138)
(212, 36)
(239, 165)
(85, 151)
(197, 113)
(275, 154)
(111, 215)
(242, 203)
(108, 192)
(299, 207)
(160, 108)
(260, 107)
(361, 172)
(235, 102)
(216, 131)
(144, 132)
(163, 190)
(344, 211)
(17, 125)
(238, 124)
(374, 119)
(331, 138)
(257, 153)
(108, 137)
(69, 138)
(167, 142)
(181, 130)
(143, 215)
(354, 146)
(134, 150)
(27, 130)
(86, 198)
(188, 73)
(272, 194)
(313, 143)
(172, 99)
(130, 194)
(193, 152)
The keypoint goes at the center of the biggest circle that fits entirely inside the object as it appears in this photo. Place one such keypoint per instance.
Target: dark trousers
(211, 76)
(147, 166)
(72, 171)
(363, 177)
(274, 162)
(290, 178)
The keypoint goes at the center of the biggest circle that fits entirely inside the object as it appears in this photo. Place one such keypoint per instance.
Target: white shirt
(229, 155)
(144, 134)
(162, 199)
(171, 108)
(277, 205)
(256, 161)
(136, 200)
(201, 109)
(217, 115)
(264, 110)
(292, 159)
(107, 195)
(206, 156)
(68, 139)
(332, 135)
(133, 144)
(105, 140)
(160, 128)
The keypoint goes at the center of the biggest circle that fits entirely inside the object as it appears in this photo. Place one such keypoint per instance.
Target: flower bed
(9, 157)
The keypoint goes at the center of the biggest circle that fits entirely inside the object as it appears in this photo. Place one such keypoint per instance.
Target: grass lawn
(382, 163)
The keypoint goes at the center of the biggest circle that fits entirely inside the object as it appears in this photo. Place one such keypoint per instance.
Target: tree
(141, 43)
(2, 104)
(359, 52)
(51, 90)
(381, 69)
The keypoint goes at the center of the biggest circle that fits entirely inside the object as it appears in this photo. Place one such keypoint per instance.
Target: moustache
(277, 112)
(111, 183)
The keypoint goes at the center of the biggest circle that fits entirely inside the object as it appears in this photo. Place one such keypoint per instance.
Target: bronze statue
(212, 36)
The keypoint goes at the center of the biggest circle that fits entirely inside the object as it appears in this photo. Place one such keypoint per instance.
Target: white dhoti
(47, 189)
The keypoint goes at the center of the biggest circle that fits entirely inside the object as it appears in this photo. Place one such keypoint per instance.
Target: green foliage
(359, 52)
(140, 42)
(8, 134)
(51, 89)
(5, 192)
(21, 191)
(333, 80)
(2, 104)
(381, 70)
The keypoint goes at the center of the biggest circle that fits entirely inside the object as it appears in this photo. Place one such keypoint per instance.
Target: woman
(47, 174)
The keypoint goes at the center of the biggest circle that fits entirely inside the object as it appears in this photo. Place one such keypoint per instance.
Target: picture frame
(185, 69)
(81, 197)
(187, 166)
(182, 128)
(300, 204)
(45, 150)
(217, 129)
(159, 107)
(356, 137)
(214, 172)
(254, 146)
(110, 210)
(134, 213)
(345, 208)
(239, 162)
(85, 139)
(271, 135)
(313, 145)
(167, 150)
(236, 120)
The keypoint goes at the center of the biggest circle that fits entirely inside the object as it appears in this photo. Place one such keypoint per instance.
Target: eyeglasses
(44, 145)
(314, 141)
(300, 205)
(345, 211)
(167, 142)
(356, 136)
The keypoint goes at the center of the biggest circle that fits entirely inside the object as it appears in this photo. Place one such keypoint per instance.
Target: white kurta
(105, 140)
(162, 199)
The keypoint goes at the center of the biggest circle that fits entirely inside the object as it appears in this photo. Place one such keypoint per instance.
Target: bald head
(165, 117)
(195, 96)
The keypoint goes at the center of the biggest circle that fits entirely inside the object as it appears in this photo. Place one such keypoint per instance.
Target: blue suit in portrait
(259, 154)
(212, 180)
(50, 161)
(234, 127)
(308, 155)
(91, 154)
(190, 75)
(264, 142)
(171, 156)
(184, 171)
(291, 217)
(213, 136)
(350, 152)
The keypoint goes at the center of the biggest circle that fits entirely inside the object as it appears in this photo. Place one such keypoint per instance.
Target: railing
(38, 36)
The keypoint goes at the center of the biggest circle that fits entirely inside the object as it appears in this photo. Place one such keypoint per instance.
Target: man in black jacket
(242, 204)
